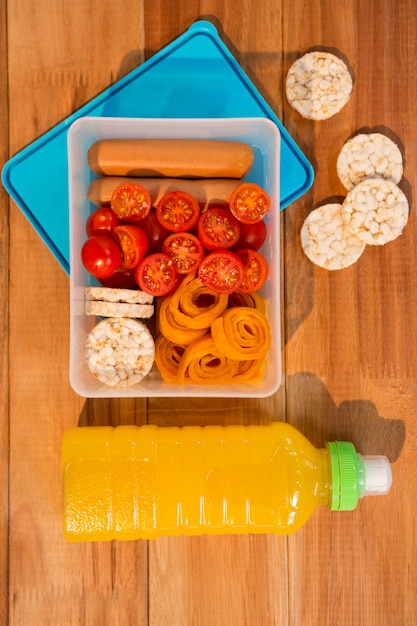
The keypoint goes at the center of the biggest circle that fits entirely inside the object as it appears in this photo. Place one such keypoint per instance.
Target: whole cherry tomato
(120, 279)
(251, 235)
(101, 222)
(218, 229)
(101, 256)
(154, 231)
(133, 244)
(131, 202)
(221, 271)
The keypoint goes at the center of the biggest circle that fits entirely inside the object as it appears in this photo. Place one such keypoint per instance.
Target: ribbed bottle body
(143, 482)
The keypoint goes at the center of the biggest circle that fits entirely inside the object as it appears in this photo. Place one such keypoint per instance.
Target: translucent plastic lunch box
(264, 138)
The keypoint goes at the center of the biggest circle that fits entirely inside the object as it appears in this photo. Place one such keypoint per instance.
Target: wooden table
(349, 337)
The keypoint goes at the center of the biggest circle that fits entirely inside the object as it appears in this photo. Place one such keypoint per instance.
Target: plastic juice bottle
(133, 482)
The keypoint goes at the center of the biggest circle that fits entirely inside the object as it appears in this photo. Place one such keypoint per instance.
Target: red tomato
(251, 235)
(101, 222)
(120, 279)
(255, 270)
(221, 271)
(249, 203)
(133, 243)
(218, 229)
(178, 211)
(101, 256)
(154, 231)
(156, 274)
(186, 251)
(131, 202)
(177, 282)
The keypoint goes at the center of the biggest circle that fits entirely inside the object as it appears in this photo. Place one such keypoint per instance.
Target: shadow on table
(311, 409)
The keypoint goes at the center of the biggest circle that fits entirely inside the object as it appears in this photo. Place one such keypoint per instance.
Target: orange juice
(134, 482)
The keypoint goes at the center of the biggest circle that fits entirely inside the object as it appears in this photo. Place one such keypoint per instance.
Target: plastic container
(195, 75)
(143, 482)
(264, 137)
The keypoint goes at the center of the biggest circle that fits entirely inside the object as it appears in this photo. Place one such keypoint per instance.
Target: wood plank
(4, 314)
(351, 355)
(60, 55)
(220, 580)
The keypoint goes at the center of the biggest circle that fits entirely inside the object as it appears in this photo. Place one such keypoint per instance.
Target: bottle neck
(353, 476)
(325, 495)
(344, 471)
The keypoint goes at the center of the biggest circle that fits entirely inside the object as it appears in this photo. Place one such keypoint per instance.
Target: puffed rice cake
(369, 155)
(112, 302)
(120, 352)
(327, 241)
(118, 309)
(112, 294)
(377, 210)
(318, 85)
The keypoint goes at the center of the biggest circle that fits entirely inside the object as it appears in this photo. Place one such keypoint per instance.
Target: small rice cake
(120, 352)
(318, 85)
(377, 210)
(372, 155)
(118, 309)
(327, 241)
(113, 294)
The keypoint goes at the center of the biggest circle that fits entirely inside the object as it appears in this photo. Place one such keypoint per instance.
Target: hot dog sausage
(180, 158)
(205, 191)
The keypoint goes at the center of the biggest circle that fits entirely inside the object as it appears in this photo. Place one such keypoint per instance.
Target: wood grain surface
(349, 337)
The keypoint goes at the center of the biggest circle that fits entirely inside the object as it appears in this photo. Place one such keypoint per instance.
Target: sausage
(205, 191)
(179, 158)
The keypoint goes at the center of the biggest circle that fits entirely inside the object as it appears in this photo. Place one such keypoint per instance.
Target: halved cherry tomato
(255, 270)
(178, 211)
(156, 274)
(251, 236)
(101, 256)
(154, 231)
(221, 271)
(101, 222)
(249, 203)
(178, 280)
(185, 249)
(120, 279)
(133, 243)
(218, 229)
(131, 202)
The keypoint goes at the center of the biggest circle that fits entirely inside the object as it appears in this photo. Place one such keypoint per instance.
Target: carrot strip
(202, 363)
(241, 333)
(250, 371)
(195, 306)
(168, 355)
(252, 300)
(172, 330)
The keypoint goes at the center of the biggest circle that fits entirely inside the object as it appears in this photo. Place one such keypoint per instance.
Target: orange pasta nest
(210, 338)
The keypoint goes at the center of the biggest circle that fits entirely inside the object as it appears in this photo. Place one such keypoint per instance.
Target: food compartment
(264, 138)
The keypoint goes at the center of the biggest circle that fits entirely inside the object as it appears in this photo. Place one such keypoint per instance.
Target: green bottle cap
(344, 476)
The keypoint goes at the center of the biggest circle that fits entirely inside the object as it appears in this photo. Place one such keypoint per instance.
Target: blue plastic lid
(194, 76)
